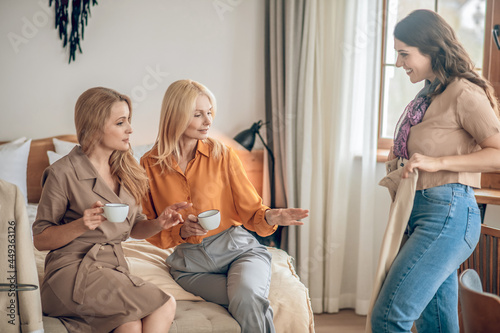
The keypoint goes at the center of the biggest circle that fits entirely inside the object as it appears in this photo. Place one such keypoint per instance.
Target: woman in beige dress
(87, 282)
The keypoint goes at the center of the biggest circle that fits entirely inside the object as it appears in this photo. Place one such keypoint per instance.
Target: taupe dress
(87, 283)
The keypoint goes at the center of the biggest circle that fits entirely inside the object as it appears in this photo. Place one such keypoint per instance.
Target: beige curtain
(322, 105)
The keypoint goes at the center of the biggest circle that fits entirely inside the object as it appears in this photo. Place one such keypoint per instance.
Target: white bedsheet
(31, 208)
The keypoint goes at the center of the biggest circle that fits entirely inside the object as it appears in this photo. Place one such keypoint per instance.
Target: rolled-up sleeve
(247, 201)
(476, 115)
(53, 203)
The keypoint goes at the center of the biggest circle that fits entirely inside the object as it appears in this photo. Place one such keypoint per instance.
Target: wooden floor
(346, 321)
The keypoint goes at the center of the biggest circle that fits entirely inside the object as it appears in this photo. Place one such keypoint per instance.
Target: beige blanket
(19, 311)
(288, 296)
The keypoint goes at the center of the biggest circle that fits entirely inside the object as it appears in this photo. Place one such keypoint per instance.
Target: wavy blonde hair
(430, 33)
(179, 103)
(92, 110)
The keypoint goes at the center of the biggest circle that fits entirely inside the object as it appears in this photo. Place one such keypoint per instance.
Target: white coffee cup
(115, 212)
(209, 219)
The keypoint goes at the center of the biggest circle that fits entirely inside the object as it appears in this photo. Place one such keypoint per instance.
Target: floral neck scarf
(413, 114)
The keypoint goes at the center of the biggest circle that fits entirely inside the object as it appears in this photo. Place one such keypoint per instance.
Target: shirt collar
(203, 147)
(84, 169)
(82, 165)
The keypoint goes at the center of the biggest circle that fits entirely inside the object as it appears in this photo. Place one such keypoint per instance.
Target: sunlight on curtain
(324, 83)
(351, 119)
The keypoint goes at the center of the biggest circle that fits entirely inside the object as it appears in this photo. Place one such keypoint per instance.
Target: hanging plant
(80, 12)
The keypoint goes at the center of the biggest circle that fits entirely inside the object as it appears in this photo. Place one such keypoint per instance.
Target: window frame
(382, 143)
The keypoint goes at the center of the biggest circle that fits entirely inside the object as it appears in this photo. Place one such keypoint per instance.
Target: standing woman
(226, 265)
(451, 133)
(87, 282)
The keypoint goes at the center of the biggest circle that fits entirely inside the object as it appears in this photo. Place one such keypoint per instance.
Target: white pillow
(63, 147)
(20, 140)
(14, 163)
(53, 156)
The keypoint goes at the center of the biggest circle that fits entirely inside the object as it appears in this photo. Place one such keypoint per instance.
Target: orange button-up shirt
(208, 183)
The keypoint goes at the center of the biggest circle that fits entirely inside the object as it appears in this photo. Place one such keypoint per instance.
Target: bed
(288, 296)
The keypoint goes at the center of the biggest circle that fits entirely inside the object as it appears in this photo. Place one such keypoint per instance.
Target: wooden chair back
(485, 260)
(480, 310)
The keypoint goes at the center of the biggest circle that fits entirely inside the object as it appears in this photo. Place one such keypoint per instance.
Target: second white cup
(115, 212)
(209, 219)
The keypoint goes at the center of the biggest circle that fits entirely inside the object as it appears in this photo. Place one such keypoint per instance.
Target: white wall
(492, 216)
(219, 43)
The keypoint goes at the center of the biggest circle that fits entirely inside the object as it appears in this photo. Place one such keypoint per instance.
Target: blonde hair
(92, 110)
(179, 103)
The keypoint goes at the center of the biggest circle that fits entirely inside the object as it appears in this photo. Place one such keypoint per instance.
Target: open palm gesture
(286, 216)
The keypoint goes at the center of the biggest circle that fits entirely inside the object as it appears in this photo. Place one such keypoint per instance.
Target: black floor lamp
(246, 138)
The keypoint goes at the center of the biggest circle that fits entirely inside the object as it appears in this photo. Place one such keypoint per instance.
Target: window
(466, 17)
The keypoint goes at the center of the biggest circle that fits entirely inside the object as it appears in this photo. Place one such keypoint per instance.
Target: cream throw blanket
(19, 311)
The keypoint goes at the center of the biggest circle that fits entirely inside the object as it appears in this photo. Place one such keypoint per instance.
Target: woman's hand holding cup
(191, 227)
(92, 217)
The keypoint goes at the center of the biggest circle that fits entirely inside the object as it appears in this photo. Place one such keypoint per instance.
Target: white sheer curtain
(323, 107)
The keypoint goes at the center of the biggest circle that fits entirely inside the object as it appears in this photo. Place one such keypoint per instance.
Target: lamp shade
(246, 138)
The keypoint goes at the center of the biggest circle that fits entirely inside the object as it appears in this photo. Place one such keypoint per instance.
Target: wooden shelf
(489, 193)
(382, 155)
(487, 196)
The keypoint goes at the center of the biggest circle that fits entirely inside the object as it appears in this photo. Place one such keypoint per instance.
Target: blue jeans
(422, 283)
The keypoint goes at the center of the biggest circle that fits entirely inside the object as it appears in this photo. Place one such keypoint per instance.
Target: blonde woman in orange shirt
(226, 265)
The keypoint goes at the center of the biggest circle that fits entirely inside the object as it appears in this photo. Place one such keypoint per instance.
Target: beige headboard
(38, 161)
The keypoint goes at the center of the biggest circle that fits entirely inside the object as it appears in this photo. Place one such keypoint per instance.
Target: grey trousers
(231, 269)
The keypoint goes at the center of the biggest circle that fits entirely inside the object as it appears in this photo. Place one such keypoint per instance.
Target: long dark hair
(430, 33)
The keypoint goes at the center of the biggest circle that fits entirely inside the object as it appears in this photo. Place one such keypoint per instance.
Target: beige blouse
(456, 122)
